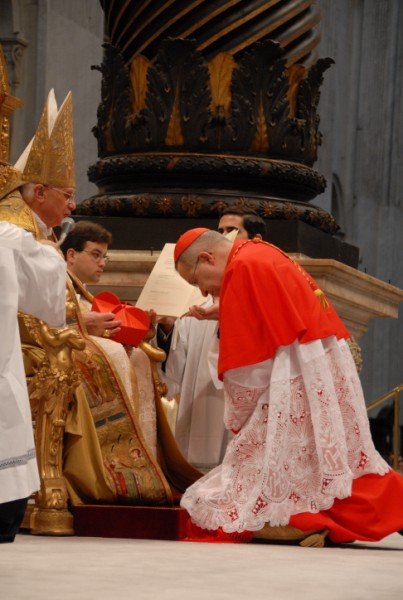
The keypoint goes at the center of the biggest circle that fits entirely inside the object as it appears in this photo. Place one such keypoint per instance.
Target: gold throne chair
(52, 380)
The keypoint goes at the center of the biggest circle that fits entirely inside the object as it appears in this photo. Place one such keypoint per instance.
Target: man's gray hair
(205, 242)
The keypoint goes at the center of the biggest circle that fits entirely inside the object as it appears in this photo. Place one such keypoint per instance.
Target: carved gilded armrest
(52, 379)
(156, 357)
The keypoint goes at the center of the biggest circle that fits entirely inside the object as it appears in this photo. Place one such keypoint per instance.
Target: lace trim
(240, 402)
(17, 461)
(302, 443)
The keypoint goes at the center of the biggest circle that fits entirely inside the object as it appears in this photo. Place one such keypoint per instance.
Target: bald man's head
(203, 262)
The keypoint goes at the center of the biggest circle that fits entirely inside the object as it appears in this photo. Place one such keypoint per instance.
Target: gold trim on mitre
(49, 156)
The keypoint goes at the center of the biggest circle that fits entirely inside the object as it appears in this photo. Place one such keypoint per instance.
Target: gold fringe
(322, 298)
(317, 540)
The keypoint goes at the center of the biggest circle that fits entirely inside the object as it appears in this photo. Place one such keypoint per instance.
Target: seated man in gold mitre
(105, 455)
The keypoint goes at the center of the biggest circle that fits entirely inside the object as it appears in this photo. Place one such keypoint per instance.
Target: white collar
(45, 230)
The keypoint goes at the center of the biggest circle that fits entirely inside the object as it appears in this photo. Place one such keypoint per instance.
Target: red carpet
(137, 522)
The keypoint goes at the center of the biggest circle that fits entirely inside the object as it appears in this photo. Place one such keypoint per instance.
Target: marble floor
(44, 568)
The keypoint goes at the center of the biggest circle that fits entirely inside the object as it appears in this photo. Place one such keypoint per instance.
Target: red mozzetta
(267, 301)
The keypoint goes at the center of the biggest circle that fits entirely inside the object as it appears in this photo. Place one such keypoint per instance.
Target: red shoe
(215, 536)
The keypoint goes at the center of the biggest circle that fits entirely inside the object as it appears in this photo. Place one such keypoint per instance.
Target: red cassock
(373, 511)
(268, 302)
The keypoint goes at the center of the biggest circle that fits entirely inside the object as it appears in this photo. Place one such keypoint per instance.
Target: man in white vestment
(105, 456)
(33, 278)
(191, 367)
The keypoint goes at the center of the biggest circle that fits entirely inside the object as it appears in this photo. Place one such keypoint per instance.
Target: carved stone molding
(14, 50)
(202, 204)
(357, 297)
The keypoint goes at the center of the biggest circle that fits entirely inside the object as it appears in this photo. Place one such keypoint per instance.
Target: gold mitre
(49, 156)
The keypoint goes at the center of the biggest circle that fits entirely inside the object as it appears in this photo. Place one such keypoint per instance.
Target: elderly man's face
(207, 273)
(54, 203)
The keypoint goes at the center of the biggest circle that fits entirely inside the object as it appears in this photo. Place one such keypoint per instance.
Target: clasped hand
(204, 314)
(97, 323)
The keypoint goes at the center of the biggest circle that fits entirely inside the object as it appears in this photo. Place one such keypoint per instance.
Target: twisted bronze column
(217, 25)
(208, 104)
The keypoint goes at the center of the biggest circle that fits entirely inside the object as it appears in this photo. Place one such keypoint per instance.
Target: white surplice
(303, 436)
(191, 371)
(33, 279)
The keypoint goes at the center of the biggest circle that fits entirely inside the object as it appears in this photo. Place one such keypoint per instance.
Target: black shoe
(7, 539)
(11, 515)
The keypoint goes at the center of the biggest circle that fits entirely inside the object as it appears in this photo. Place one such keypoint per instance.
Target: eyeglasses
(70, 197)
(193, 278)
(97, 256)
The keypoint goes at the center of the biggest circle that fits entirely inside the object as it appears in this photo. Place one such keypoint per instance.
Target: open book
(165, 291)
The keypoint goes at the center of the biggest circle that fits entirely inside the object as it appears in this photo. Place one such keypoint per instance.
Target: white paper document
(165, 291)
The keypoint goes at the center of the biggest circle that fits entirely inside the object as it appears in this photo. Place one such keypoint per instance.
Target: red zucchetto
(186, 240)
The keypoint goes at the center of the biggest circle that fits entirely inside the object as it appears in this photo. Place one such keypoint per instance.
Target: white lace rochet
(303, 437)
